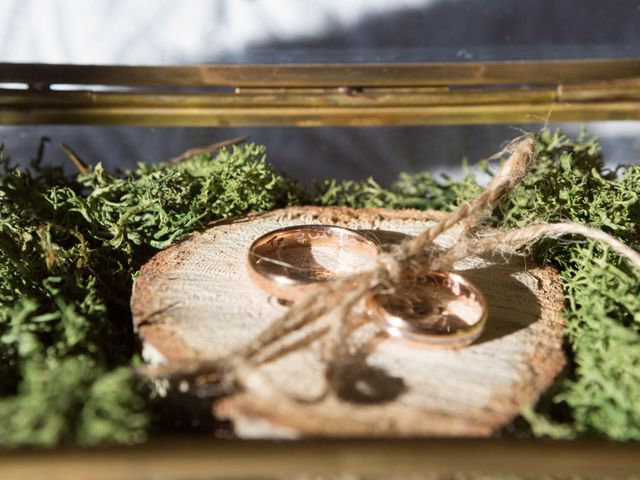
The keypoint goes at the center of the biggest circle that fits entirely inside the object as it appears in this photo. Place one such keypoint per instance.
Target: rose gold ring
(437, 309)
(290, 262)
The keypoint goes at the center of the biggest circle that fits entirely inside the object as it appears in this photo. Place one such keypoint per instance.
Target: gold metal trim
(208, 459)
(327, 75)
(316, 117)
(319, 95)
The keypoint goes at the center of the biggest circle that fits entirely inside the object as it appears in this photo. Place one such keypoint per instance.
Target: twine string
(341, 295)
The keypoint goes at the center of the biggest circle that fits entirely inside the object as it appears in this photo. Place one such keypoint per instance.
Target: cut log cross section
(195, 300)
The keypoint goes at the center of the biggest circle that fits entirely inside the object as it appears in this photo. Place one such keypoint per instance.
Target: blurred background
(164, 32)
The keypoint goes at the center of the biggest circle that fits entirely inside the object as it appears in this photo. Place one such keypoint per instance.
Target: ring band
(282, 262)
(437, 309)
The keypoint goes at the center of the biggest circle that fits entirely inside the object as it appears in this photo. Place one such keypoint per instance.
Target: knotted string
(341, 295)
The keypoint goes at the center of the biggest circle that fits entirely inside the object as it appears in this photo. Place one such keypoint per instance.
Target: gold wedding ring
(290, 262)
(438, 309)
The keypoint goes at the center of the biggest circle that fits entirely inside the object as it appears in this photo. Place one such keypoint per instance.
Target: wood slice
(195, 300)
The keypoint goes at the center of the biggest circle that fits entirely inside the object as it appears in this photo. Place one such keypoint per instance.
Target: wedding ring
(290, 262)
(437, 309)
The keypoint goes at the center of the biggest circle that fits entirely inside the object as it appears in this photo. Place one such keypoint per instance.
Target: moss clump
(570, 182)
(421, 191)
(69, 248)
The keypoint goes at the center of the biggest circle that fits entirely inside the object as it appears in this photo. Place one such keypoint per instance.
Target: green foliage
(73, 399)
(69, 248)
(421, 191)
(569, 182)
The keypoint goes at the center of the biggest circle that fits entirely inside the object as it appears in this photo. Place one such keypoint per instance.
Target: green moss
(569, 182)
(69, 248)
(421, 191)
(74, 399)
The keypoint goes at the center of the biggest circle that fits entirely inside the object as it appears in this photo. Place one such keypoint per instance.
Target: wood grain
(195, 300)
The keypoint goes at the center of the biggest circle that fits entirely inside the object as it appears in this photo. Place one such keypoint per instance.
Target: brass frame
(314, 95)
(208, 459)
(319, 95)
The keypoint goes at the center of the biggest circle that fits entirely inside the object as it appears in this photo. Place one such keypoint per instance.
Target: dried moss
(69, 248)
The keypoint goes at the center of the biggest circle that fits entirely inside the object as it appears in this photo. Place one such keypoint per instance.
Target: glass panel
(294, 31)
(310, 154)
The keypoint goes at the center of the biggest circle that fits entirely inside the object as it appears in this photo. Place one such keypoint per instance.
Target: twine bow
(239, 370)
